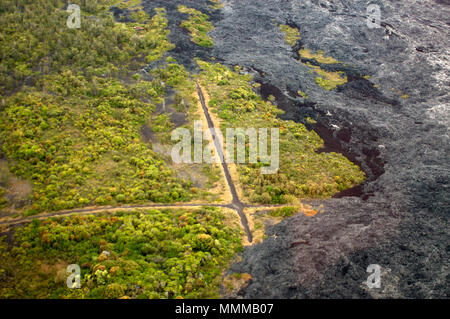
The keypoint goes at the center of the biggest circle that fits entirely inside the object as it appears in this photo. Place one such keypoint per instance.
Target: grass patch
(198, 25)
(291, 35)
(302, 94)
(328, 80)
(216, 4)
(284, 212)
(319, 57)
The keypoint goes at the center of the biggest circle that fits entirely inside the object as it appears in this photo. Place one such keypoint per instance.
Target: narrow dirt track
(236, 203)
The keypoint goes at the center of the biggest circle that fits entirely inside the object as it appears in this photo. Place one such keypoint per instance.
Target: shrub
(114, 291)
(204, 242)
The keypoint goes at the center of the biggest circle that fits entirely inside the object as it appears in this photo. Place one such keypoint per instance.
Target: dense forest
(74, 105)
(151, 254)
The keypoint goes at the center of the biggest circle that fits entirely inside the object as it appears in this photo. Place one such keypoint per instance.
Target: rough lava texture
(399, 217)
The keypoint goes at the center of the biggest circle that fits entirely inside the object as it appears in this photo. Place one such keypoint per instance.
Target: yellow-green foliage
(319, 57)
(156, 36)
(302, 94)
(155, 254)
(129, 4)
(100, 47)
(198, 25)
(175, 76)
(217, 4)
(3, 200)
(303, 172)
(291, 35)
(284, 212)
(75, 133)
(310, 120)
(328, 80)
(88, 154)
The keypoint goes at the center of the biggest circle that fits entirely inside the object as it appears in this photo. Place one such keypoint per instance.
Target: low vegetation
(284, 212)
(291, 34)
(302, 94)
(216, 4)
(198, 25)
(328, 80)
(319, 57)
